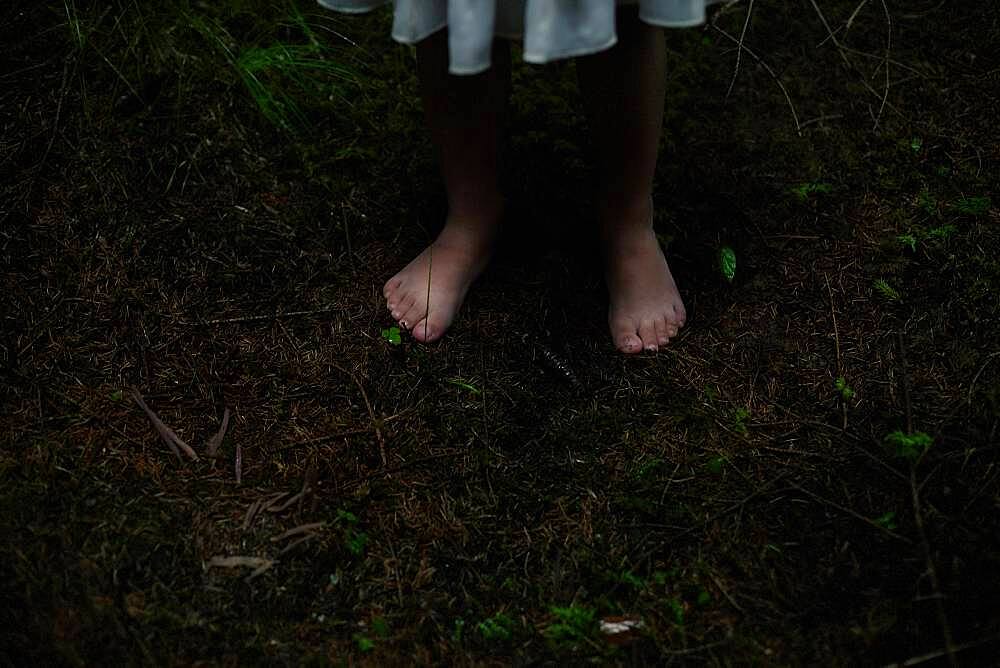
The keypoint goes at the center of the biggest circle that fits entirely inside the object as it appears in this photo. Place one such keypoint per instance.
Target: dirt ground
(807, 475)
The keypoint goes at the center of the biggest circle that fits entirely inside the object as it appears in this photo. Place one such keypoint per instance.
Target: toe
(409, 317)
(426, 331)
(629, 343)
(679, 316)
(647, 332)
(391, 287)
(660, 326)
(623, 333)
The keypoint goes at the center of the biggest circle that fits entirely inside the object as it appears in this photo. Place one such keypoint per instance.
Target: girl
(464, 73)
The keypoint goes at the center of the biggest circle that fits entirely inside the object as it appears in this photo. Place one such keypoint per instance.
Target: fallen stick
(166, 433)
(302, 528)
(237, 562)
(213, 443)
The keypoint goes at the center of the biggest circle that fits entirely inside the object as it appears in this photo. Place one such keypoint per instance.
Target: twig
(836, 340)
(930, 656)
(213, 444)
(427, 313)
(251, 513)
(239, 463)
(888, 49)
(739, 51)
(843, 51)
(295, 543)
(302, 528)
(767, 68)
(166, 433)
(376, 423)
(259, 318)
(725, 592)
(849, 511)
(906, 383)
(918, 517)
(238, 562)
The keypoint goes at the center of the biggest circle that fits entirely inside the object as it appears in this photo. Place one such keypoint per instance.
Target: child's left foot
(645, 306)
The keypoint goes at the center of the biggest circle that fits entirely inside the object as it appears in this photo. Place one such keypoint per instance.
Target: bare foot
(447, 267)
(645, 307)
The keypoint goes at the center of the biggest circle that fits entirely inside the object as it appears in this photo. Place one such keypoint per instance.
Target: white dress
(551, 29)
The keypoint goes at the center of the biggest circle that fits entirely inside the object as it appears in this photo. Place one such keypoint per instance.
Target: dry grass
(365, 504)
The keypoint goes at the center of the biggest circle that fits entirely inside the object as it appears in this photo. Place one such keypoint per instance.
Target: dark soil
(491, 498)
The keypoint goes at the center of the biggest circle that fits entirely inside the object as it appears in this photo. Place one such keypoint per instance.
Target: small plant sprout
(916, 143)
(846, 392)
(908, 446)
(886, 290)
(675, 610)
(887, 521)
(497, 627)
(973, 206)
(456, 633)
(354, 540)
(907, 240)
(573, 624)
(804, 190)
(715, 464)
(740, 417)
(364, 644)
(391, 335)
(380, 627)
(464, 385)
(630, 578)
(927, 201)
(941, 232)
(727, 263)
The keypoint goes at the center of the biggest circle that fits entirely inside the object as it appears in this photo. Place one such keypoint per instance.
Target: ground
(200, 205)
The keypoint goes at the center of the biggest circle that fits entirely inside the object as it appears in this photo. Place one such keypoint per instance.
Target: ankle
(624, 216)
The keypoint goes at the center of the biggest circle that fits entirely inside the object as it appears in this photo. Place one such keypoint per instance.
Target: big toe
(426, 330)
(625, 337)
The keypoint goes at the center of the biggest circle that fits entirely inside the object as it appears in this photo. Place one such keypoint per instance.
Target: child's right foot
(446, 269)
(645, 308)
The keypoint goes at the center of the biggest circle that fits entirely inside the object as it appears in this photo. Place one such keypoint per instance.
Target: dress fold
(551, 29)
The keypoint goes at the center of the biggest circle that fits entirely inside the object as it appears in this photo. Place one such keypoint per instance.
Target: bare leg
(464, 115)
(624, 90)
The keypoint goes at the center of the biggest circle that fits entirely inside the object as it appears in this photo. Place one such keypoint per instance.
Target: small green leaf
(116, 395)
(364, 644)
(630, 578)
(927, 201)
(497, 627)
(908, 446)
(887, 520)
(886, 290)
(392, 335)
(844, 389)
(942, 232)
(356, 541)
(804, 190)
(456, 634)
(727, 262)
(714, 465)
(464, 385)
(704, 598)
(973, 206)
(907, 240)
(380, 627)
(916, 144)
(347, 516)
